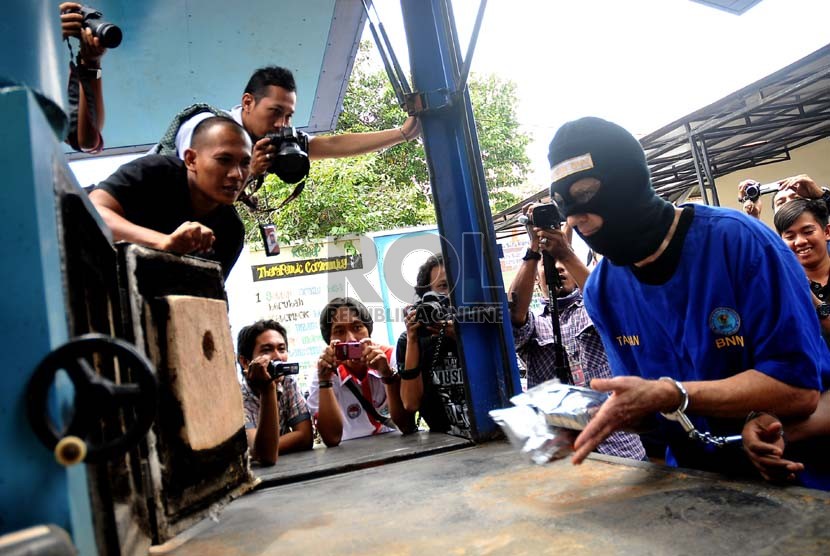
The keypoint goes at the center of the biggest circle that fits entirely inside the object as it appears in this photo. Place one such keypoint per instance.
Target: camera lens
(290, 162)
(108, 33)
(752, 192)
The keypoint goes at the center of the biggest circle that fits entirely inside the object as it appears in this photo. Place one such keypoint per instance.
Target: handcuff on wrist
(679, 416)
(755, 414)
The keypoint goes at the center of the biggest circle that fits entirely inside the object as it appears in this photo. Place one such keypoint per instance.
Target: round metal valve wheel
(97, 399)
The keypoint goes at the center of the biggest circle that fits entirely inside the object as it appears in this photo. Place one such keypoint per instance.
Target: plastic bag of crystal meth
(563, 405)
(527, 430)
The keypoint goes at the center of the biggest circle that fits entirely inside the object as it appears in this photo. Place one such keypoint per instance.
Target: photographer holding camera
(750, 198)
(533, 335)
(356, 391)
(277, 420)
(801, 186)
(265, 112)
(432, 380)
(85, 91)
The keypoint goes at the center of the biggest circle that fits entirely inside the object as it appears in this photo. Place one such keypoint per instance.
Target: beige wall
(812, 159)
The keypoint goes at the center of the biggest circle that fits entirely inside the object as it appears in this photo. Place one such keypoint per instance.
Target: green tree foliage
(390, 189)
(502, 145)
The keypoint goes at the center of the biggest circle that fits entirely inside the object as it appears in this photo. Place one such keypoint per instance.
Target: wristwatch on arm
(823, 310)
(89, 73)
(532, 255)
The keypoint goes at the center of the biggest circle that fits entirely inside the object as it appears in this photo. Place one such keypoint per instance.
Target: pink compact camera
(348, 350)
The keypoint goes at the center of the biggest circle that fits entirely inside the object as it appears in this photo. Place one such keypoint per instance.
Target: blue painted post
(464, 219)
(34, 488)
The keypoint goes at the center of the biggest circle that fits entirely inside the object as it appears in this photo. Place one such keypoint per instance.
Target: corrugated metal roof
(756, 125)
(736, 7)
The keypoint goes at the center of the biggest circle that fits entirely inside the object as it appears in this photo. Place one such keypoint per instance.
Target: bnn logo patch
(725, 322)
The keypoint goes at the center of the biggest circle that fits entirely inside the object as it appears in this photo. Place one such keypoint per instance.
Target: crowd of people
(743, 354)
(696, 317)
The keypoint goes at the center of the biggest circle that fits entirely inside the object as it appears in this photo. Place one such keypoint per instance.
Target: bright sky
(640, 63)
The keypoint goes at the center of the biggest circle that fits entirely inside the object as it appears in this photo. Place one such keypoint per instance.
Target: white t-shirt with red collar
(356, 423)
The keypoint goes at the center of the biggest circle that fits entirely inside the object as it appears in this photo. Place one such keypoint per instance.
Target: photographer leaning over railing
(432, 380)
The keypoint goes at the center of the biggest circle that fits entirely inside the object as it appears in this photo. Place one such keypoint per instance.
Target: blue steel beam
(464, 219)
(34, 488)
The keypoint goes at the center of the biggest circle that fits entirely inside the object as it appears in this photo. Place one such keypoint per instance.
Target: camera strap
(368, 407)
(437, 348)
(561, 368)
(294, 194)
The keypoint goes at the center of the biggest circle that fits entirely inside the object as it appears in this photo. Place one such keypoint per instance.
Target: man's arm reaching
(190, 237)
(633, 399)
(351, 144)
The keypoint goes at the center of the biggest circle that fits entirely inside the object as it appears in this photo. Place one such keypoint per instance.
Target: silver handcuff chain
(679, 416)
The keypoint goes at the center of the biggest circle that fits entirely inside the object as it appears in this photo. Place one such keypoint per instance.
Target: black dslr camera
(277, 369)
(543, 216)
(108, 33)
(290, 161)
(431, 309)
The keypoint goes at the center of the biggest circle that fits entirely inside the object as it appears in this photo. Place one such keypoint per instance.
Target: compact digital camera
(345, 351)
(277, 369)
(543, 216)
(290, 161)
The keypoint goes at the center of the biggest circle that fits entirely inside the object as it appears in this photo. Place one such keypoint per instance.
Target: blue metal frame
(35, 488)
(462, 207)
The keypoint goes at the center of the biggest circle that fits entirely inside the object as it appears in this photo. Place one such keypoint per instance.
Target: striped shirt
(293, 409)
(586, 359)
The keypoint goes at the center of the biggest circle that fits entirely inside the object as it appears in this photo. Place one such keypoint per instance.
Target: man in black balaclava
(594, 148)
(702, 310)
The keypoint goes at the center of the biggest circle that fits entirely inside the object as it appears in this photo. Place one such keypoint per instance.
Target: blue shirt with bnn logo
(737, 300)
